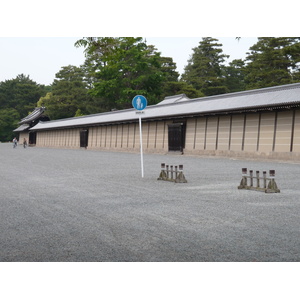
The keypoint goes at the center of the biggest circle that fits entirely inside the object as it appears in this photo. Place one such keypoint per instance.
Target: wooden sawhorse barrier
(169, 173)
(263, 184)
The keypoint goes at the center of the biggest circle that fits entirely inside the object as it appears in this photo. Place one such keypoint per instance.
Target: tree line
(118, 68)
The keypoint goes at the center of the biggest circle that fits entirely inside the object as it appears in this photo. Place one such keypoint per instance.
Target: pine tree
(235, 76)
(272, 61)
(205, 69)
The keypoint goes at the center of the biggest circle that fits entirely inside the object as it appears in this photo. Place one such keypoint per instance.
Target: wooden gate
(176, 136)
(32, 138)
(84, 138)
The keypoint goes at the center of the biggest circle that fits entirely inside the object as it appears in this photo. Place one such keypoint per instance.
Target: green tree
(205, 69)
(69, 94)
(9, 118)
(168, 67)
(124, 67)
(20, 93)
(234, 75)
(171, 84)
(18, 98)
(180, 87)
(273, 61)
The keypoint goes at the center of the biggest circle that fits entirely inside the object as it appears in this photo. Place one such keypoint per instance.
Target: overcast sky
(41, 58)
(49, 31)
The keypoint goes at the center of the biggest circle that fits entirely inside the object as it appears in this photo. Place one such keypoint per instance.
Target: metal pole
(141, 145)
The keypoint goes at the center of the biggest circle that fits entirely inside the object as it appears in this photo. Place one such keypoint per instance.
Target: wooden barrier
(263, 184)
(171, 173)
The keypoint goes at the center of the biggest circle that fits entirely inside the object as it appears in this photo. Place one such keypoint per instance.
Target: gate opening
(176, 136)
(84, 138)
(32, 138)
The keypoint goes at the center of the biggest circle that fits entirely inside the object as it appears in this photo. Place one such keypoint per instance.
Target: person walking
(15, 142)
(24, 143)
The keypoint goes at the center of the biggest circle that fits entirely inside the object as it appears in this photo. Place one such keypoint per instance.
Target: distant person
(15, 142)
(24, 143)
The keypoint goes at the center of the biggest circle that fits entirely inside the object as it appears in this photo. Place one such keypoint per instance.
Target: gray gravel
(92, 206)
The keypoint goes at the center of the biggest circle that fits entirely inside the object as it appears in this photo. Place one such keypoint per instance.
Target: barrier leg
(251, 178)
(272, 186)
(257, 179)
(163, 174)
(243, 183)
(180, 178)
(265, 179)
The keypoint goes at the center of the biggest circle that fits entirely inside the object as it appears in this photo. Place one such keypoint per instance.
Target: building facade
(257, 123)
(28, 122)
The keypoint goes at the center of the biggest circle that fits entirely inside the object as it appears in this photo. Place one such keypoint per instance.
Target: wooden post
(265, 179)
(244, 177)
(251, 177)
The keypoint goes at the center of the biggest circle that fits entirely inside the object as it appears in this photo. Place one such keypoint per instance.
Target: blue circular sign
(139, 102)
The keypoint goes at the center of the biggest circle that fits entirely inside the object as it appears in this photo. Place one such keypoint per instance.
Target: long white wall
(266, 134)
(248, 134)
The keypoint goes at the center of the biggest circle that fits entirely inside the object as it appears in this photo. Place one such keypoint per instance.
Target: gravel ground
(64, 205)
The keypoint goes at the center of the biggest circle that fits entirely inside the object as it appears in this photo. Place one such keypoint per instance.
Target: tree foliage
(131, 69)
(273, 61)
(124, 67)
(205, 69)
(20, 93)
(18, 98)
(9, 118)
(234, 75)
(69, 94)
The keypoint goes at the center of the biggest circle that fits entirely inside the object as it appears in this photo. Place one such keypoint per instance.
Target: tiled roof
(279, 96)
(174, 99)
(38, 111)
(22, 128)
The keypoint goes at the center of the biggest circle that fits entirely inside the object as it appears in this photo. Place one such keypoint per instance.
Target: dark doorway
(32, 138)
(84, 138)
(176, 136)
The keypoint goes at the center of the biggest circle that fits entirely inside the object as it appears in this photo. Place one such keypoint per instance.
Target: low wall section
(266, 134)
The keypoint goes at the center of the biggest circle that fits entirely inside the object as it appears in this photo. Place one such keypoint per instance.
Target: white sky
(42, 57)
(173, 27)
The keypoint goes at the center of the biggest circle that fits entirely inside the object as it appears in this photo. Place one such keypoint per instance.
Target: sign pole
(139, 102)
(141, 145)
